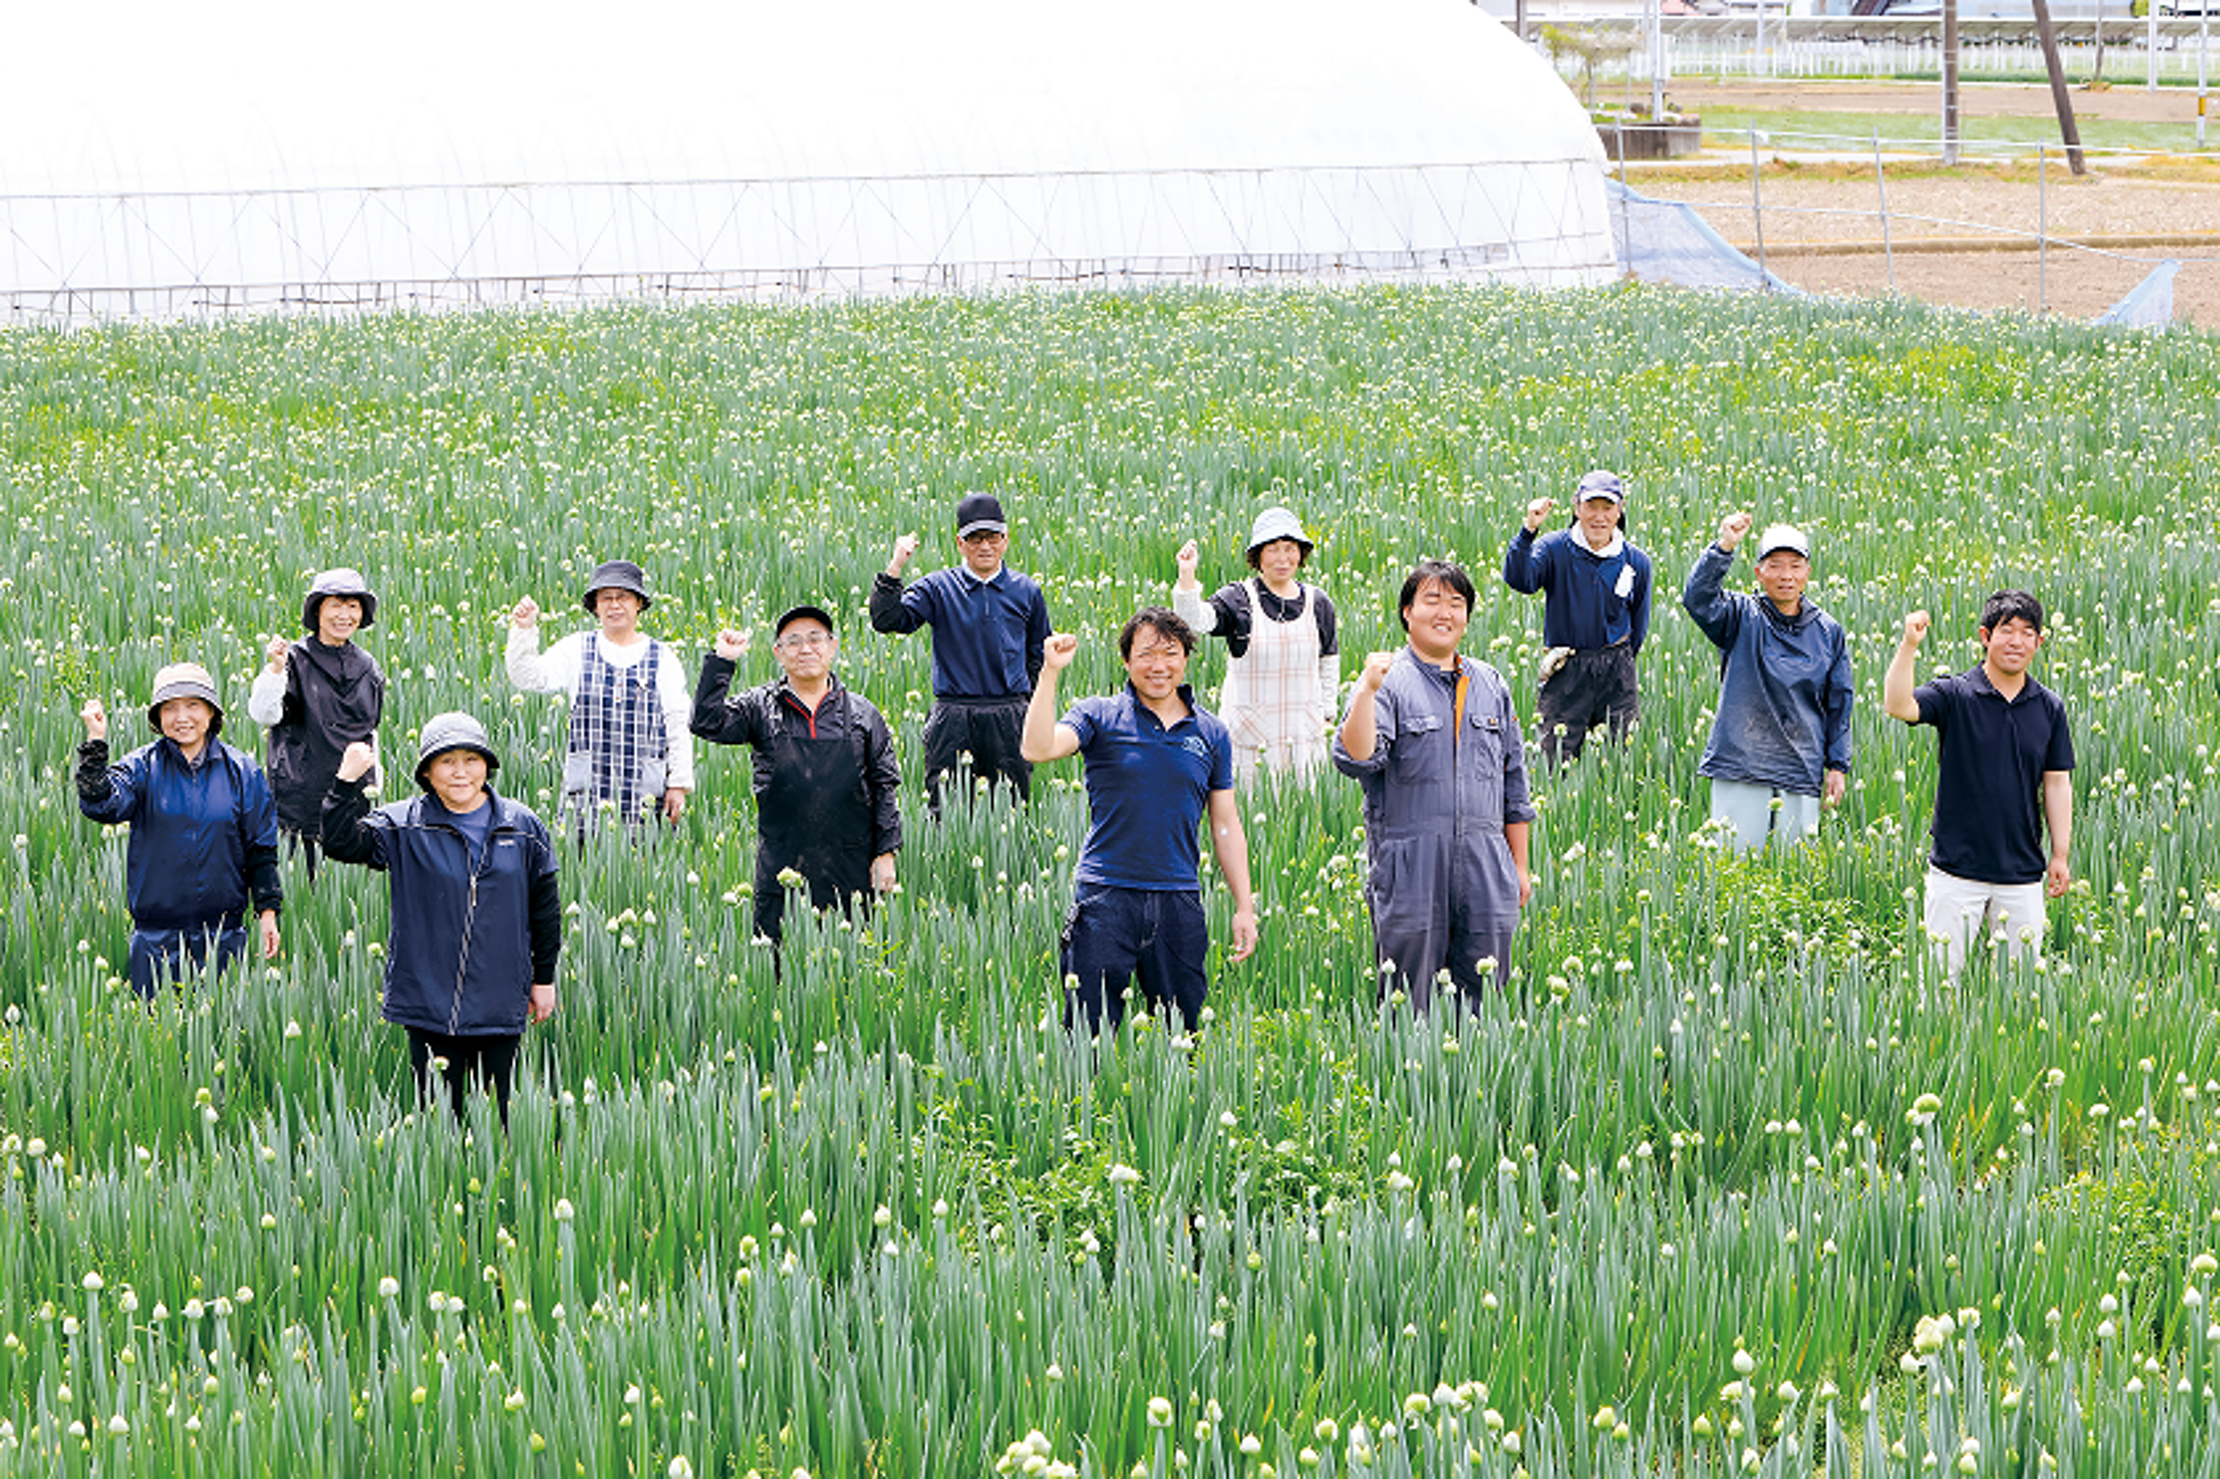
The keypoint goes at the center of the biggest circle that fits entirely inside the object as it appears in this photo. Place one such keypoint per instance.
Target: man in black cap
(825, 772)
(629, 749)
(989, 624)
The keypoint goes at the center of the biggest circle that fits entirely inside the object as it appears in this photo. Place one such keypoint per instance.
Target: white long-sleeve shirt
(559, 669)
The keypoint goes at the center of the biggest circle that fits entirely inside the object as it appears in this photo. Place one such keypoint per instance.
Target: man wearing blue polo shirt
(988, 626)
(1156, 764)
(2006, 773)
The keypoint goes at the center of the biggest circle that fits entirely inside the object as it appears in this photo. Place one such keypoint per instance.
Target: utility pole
(1657, 60)
(1950, 83)
(2063, 100)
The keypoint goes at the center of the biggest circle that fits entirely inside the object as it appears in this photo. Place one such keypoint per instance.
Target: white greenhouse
(252, 156)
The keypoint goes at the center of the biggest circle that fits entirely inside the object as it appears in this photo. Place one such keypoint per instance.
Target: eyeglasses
(984, 536)
(804, 641)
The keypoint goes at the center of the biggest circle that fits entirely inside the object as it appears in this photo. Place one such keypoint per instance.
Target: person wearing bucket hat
(1595, 613)
(315, 697)
(629, 749)
(477, 921)
(203, 849)
(1780, 737)
(1283, 668)
(989, 624)
(825, 775)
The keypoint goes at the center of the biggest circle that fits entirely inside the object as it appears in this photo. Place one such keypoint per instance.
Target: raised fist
(527, 613)
(95, 716)
(1732, 528)
(1375, 672)
(731, 644)
(1915, 628)
(1059, 650)
(1189, 558)
(279, 651)
(357, 761)
(1537, 511)
(904, 547)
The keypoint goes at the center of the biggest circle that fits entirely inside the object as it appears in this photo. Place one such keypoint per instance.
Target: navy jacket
(987, 635)
(1582, 607)
(1784, 685)
(203, 837)
(470, 934)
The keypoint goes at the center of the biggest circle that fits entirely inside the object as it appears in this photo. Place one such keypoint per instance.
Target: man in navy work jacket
(1156, 765)
(1595, 613)
(989, 624)
(1780, 741)
(825, 774)
(2006, 770)
(204, 838)
(1433, 738)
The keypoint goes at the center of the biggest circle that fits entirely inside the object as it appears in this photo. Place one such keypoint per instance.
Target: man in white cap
(317, 696)
(1780, 740)
(1284, 654)
(203, 851)
(989, 626)
(1595, 613)
(629, 748)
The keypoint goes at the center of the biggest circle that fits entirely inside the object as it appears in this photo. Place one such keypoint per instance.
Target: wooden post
(2058, 94)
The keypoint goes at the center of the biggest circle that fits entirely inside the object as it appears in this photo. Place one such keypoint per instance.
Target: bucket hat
(1277, 523)
(444, 732)
(184, 680)
(617, 575)
(340, 582)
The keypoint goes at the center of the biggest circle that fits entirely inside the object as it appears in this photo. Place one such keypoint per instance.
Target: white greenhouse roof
(161, 159)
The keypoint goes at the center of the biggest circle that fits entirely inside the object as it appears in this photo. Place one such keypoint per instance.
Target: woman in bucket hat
(629, 747)
(1284, 665)
(477, 922)
(203, 850)
(316, 696)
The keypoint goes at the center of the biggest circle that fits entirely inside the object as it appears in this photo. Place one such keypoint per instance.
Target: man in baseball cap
(1595, 613)
(1780, 740)
(825, 772)
(203, 849)
(989, 624)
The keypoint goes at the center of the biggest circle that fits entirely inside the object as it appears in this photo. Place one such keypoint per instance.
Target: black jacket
(470, 935)
(825, 783)
(333, 697)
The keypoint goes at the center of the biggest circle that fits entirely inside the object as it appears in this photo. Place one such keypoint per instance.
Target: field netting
(1666, 242)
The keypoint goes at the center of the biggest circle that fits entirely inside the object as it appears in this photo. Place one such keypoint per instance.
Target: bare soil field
(1962, 237)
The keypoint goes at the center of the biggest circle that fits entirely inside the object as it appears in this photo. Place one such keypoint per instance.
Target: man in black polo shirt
(2006, 772)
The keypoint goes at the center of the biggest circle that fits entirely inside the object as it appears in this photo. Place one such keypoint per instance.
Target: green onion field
(1731, 1182)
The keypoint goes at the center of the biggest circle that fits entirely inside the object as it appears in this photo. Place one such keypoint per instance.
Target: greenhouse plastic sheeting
(2149, 305)
(1664, 241)
(499, 152)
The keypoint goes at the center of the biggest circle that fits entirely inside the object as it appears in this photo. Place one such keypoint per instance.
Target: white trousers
(1752, 812)
(1962, 910)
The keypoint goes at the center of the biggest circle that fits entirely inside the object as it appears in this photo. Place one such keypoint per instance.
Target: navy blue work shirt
(1148, 787)
(987, 634)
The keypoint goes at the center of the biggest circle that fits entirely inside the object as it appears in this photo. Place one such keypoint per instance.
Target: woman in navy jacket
(477, 923)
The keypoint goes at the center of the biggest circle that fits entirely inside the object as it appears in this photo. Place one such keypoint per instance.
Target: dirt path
(2121, 104)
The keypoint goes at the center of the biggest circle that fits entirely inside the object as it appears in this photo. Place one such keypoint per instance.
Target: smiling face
(1782, 575)
(338, 618)
(619, 612)
(1599, 520)
(983, 550)
(186, 722)
(805, 651)
(458, 779)
(1156, 663)
(1278, 562)
(1436, 619)
(2011, 646)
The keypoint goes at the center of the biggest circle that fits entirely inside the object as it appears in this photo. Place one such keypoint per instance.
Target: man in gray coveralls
(1433, 738)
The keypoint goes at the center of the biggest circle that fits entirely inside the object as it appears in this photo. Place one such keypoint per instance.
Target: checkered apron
(1274, 704)
(619, 749)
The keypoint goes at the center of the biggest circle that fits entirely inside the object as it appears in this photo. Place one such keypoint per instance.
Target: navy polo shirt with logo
(1989, 790)
(1148, 786)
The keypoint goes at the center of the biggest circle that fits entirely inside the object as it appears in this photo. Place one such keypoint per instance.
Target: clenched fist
(527, 613)
(1375, 672)
(1537, 511)
(1732, 528)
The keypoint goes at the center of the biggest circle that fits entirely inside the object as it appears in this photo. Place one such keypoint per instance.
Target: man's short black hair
(2007, 606)
(1431, 572)
(1165, 621)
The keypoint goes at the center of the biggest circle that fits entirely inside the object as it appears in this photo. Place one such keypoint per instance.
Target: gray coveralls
(1443, 889)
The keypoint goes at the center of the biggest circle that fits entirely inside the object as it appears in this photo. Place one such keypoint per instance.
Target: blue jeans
(173, 953)
(1114, 935)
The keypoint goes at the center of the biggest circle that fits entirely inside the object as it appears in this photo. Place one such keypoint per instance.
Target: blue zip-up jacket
(1582, 606)
(470, 934)
(987, 634)
(1784, 685)
(203, 837)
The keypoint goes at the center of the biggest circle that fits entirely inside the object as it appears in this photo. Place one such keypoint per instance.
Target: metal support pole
(1950, 84)
(1657, 61)
(2203, 21)
(1880, 181)
(1757, 211)
(1759, 59)
(2150, 48)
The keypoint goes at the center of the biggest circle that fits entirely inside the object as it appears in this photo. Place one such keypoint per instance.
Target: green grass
(880, 1216)
(1798, 129)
